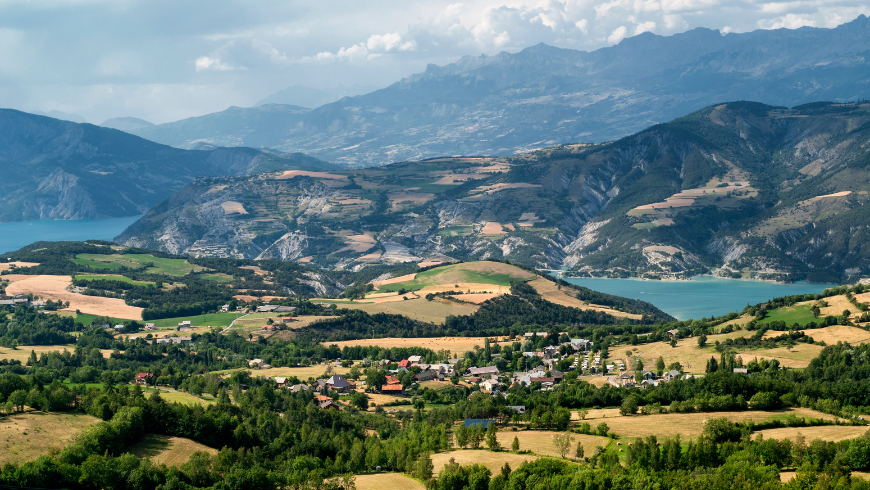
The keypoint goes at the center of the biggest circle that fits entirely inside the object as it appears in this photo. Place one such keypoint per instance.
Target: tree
(492, 438)
(579, 452)
(702, 341)
(639, 364)
(629, 405)
(660, 365)
(673, 342)
(359, 400)
(582, 413)
(515, 446)
(425, 468)
(475, 436)
(602, 429)
(461, 434)
(563, 443)
(18, 398)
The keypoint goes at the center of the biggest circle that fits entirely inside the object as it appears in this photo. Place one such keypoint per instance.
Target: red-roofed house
(394, 389)
(392, 380)
(144, 378)
(405, 363)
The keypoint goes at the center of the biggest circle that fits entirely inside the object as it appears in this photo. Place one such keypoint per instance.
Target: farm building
(484, 371)
(392, 389)
(485, 423)
(426, 376)
(298, 388)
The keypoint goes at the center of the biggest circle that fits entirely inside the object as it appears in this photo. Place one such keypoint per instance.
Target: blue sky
(166, 60)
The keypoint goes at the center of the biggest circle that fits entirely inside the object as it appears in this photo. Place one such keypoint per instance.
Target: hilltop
(55, 169)
(739, 189)
(514, 102)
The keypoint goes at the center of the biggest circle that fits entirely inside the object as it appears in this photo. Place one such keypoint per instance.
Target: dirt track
(54, 288)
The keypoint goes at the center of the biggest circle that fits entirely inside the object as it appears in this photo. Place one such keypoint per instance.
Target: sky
(164, 60)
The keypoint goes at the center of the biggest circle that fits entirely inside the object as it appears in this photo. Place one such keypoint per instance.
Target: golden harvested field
(406, 277)
(379, 399)
(833, 334)
(417, 309)
(798, 357)
(596, 413)
(23, 351)
(597, 381)
(25, 437)
(687, 425)
(785, 476)
(5, 266)
(456, 345)
(247, 323)
(387, 481)
(492, 460)
(551, 292)
(302, 373)
(541, 442)
(833, 433)
(171, 451)
(836, 305)
(492, 228)
(54, 288)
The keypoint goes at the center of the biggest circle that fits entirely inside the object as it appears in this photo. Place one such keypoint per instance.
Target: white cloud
(205, 63)
(647, 26)
(789, 21)
(617, 35)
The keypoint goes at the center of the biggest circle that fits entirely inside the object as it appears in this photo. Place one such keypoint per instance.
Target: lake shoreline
(773, 281)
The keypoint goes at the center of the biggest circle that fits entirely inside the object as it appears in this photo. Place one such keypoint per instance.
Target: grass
(541, 442)
(171, 451)
(25, 437)
(492, 460)
(800, 314)
(483, 272)
(381, 481)
(112, 278)
(23, 351)
(208, 319)
(158, 265)
(181, 397)
(830, 433)
(687, 425)
(88, 319)
(456, 231)
(416, 309)
(222, 278)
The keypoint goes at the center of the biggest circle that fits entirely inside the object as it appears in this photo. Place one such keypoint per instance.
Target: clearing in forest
(492, 460)
(541, 442)
(831, 433)
(484, 272)
(171, 451)
(687, 425)
(382, 481)
(550, 291)
(25, 437)
(435, 311)
(456, 345)
(155, 265)
(833, 334)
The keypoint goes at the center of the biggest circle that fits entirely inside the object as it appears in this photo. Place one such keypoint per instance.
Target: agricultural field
(25, 437)
(382, 481)
(111, 277)
(492, 460)
(155, 265)
(541, 442)
(552, 293)
(793, 314)
(22, 353)
(171, 451)
(206, 320)
(254, 321)
(491, 273)
(687, 425)
(303, 373)
(832, 433)
(833, 334)
(416, 309)
(456, 345)
(183, 397)
(55, 289)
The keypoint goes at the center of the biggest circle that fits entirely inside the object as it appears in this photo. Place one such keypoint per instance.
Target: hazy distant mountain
(314, 97)
(737, 188)
(507, 103)
(126, 124)
(63, 116)
(55, 169)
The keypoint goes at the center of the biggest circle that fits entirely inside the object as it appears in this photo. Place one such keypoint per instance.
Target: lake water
(13, 236)
(703, 296)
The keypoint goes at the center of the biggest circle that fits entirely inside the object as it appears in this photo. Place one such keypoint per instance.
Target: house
(392, 380)
(321, 398)
(484, 371)
(647, 383)
(7, 302)
(741, 371)
(520, 409)
(143, 379)
(405, 363)
(673, 333)
(445, 370)
(579, 344)
(119, 327)
(289, 319)
(484, 423)
(393, 389)
(490, 384)
(557, 375)
(255, 363)
(150, 326)
(426, 376)
(225, 308)
(330, 405)
(281, 381)
(298, 388)
(338, 383)
(174, 340)
(415, 359)
(529, 335)
(672, 374)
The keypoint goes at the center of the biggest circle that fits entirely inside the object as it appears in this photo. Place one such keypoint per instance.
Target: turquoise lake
(19, 234)
(703, 296)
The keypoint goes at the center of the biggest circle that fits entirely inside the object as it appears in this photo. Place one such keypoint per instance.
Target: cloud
(647, 26)
(204, 63)
(617, 35)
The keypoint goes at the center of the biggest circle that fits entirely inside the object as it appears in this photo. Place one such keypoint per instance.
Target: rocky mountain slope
(510, 103)
(743, 189)
(55, 169)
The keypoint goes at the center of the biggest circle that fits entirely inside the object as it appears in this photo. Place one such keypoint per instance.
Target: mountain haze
(55, 169)
(541, 96)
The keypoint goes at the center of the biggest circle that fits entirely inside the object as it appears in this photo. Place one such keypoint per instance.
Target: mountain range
(55, 169)
(742, 189)
(512, 103)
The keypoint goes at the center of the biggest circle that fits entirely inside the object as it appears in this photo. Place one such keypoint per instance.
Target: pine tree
(579, 453)
(515, 446)
(492, 439)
